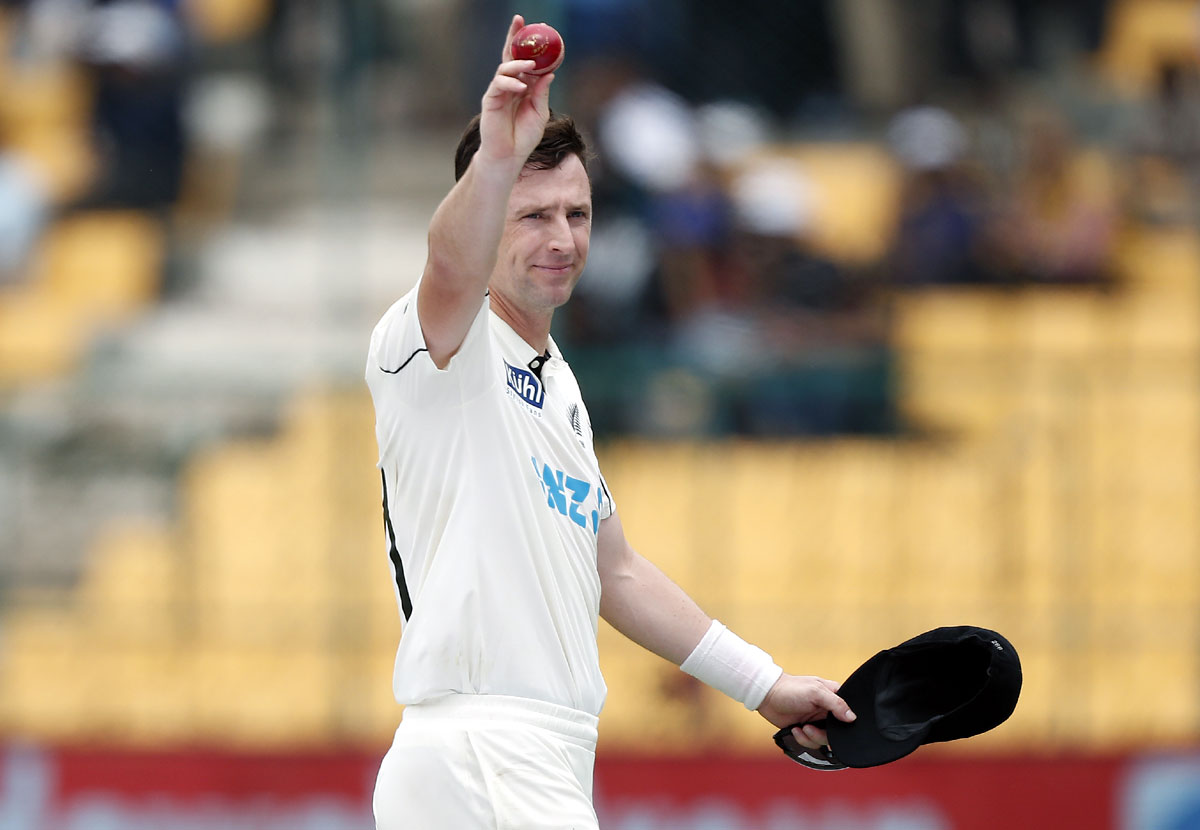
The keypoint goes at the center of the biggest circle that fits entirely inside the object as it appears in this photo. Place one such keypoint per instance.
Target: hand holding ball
(540, 43)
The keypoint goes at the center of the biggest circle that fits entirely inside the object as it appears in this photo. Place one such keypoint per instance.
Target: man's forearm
(466, 228)
(463, 238)
(642, 602)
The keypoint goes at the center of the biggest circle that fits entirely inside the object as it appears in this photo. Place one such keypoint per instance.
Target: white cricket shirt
(493, 500)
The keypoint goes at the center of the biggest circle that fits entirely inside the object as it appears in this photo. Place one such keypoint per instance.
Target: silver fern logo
(577, 423)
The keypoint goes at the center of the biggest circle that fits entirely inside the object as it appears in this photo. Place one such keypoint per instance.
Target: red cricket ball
(540, 43)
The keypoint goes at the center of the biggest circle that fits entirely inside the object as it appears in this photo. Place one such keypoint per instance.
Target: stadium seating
(1067, 523)
(92, 271)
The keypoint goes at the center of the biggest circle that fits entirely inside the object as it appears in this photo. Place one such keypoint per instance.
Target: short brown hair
(560, 139)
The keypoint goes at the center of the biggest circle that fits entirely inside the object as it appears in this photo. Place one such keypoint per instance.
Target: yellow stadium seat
(132, 587)
(106, 265)
(259, 697)
(366, 711)
(45, 690)
(857, 188)
(963, 395)
(767, 526)
(90, 271)
(140, 696)
(62, 159)
(225, 21)
(39, 338)
(44, 95)
(946, 546)
(955, 359)
(234, 500)
(1166, 327)
(1160, 261)
(1059, 323)
(1144, 33)
(649, 699)
(44, 113)
(1168, 711)
(654, 491)
(952, 320)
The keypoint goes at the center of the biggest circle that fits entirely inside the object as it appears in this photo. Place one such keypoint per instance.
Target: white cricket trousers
(488, 762)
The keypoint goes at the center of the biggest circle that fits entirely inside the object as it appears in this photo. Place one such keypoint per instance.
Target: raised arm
(642, 603)
(467, 226)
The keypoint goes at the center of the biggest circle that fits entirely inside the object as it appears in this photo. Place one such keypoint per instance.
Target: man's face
(546, 233)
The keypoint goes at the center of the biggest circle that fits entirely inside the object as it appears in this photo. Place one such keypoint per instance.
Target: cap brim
(860, 742)
(818, 759)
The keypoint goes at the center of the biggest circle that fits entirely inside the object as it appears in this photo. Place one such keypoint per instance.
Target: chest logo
(525, 385)
(570, 496)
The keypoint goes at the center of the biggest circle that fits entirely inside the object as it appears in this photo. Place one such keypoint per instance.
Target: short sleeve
(607, 505)
(399, 369)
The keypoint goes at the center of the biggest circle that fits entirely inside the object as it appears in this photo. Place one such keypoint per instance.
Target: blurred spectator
(662, 162)
(799, 290)
(661, 215)
(1059, 224)
(703, 276)
(647, 151)
(614, 299)
(1162, 143)
(692, 226)
(651, 141)
(987, 39)
(817, 361)
(648, 134)
(23, 213)
(940, 231)
(136, 52)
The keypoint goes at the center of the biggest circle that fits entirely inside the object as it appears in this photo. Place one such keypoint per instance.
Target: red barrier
(56, 789)
(915, 794)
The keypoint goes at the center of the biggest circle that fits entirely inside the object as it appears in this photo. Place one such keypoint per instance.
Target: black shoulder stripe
(402, 365)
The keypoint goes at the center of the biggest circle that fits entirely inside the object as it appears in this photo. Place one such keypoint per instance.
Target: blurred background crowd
(766, 181)
(903, 298)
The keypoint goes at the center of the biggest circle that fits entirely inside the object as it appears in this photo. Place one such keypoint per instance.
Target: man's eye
(533, 216)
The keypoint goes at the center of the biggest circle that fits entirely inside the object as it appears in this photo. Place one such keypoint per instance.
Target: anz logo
(525, 385)
(574, 498)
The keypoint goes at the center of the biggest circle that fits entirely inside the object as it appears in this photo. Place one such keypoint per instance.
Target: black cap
(942, 685)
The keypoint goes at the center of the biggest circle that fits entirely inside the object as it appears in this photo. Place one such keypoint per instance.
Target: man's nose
(560, 234)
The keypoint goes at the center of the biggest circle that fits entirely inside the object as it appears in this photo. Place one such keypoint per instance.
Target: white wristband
(729, 664)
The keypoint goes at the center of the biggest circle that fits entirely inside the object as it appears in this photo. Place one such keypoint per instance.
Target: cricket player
(503, 536)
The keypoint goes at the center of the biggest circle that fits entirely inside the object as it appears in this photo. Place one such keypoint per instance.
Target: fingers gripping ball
(540, 43)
